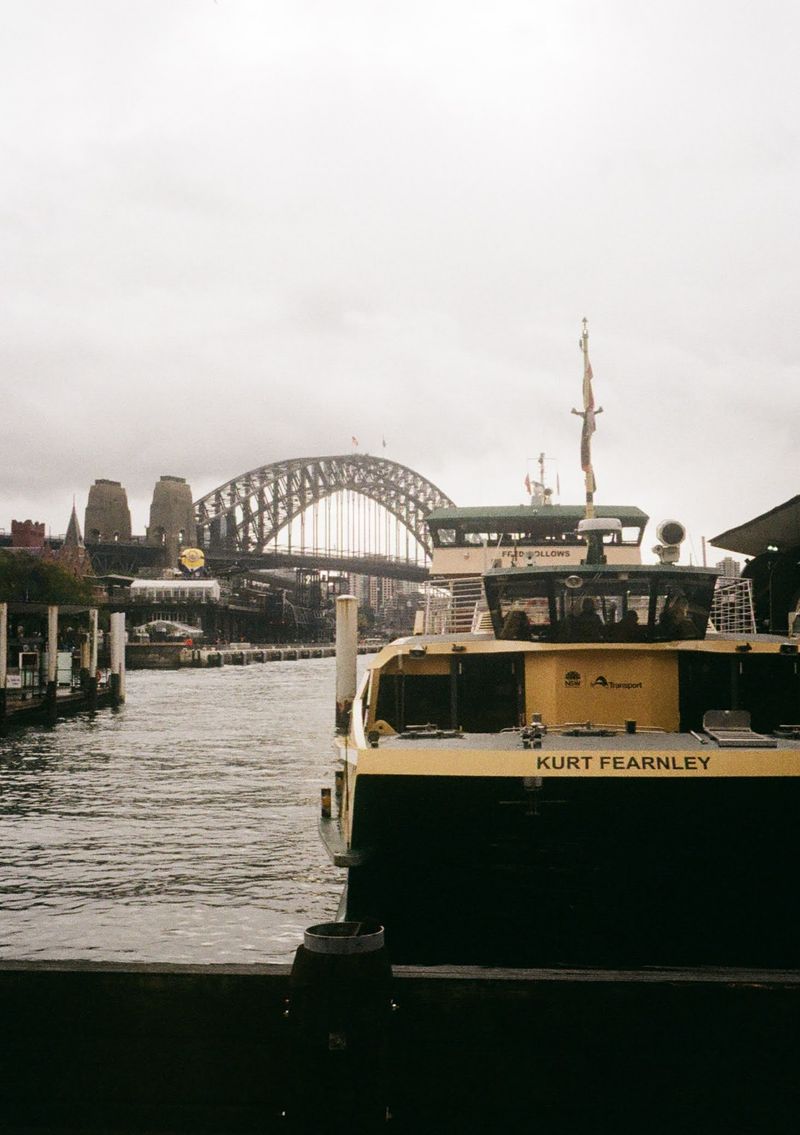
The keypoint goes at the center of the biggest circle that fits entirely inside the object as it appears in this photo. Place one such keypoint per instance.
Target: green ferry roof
(626, 514)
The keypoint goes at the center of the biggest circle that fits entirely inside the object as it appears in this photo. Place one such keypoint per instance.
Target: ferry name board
(708, 762)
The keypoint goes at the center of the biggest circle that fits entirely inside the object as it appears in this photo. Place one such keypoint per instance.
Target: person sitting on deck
(627, 629)
(676, 622)
(587, 626)
(516, 626)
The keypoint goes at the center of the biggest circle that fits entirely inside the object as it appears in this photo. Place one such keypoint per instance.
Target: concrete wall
(249, 1048)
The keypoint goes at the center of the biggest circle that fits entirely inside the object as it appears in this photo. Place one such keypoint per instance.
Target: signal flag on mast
(589, 413)
(588, 426)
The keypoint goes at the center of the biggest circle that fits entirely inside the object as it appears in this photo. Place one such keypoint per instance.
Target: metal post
(346, 658)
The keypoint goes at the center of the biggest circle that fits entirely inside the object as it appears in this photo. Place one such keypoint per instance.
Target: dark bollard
(113, 683)
(50, 696)
(338, 1012)
(3, 727)
(91, 693)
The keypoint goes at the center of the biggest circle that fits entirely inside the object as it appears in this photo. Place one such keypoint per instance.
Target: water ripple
(181, 828)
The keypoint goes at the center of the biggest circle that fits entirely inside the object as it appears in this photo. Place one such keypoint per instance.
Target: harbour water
(181, 828)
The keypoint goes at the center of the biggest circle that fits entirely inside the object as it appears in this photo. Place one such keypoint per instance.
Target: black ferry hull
(578, 872)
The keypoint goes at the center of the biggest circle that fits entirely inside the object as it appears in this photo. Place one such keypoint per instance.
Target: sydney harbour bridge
(352, 512)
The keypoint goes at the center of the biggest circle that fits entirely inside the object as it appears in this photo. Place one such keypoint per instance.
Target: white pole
(117, 651)
(52, 644)
(113, 648)
(346, 658)
(93, 641)
(121, 636)
(3, 645)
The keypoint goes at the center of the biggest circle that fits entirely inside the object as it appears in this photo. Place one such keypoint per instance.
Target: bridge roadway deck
(129, 558)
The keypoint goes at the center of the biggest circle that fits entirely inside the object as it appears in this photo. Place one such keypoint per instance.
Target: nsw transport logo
(572, 678)
(604, 683)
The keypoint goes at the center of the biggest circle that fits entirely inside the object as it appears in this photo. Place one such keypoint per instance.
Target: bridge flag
(354, 440)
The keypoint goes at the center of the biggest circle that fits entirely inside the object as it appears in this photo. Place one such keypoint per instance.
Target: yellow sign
(707, 762)
(192, 559)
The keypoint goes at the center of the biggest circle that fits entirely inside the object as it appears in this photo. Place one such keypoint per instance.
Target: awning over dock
(779, 528)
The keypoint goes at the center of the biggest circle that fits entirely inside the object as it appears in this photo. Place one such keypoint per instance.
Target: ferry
(572, 764)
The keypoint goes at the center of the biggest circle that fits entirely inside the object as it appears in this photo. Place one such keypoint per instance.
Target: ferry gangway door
(64, 667)
(29, 669)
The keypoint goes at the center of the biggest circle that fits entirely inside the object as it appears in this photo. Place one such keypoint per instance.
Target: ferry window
(602, 607)
(446, 537)
(682, 609)
(524, 610)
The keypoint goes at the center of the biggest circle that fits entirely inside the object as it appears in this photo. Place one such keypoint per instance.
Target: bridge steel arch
(248, 512)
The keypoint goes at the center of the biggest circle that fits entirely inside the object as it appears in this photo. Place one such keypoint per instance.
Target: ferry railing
(453, 606)
(732, 607)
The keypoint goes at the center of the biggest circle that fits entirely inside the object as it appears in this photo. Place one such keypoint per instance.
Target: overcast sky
(239, 231)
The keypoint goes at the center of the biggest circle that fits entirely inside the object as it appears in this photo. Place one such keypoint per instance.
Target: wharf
(44, 708)
(179, 1048)
(176, 656)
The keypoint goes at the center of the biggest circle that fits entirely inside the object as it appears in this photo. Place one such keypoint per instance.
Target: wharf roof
(780, 527)
(514, 513)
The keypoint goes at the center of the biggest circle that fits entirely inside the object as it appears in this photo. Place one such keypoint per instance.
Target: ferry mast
(589, 413)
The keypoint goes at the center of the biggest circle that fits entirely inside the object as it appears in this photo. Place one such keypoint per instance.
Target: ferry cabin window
(602, 609)
(481, 694)
(682, 611)
(464, 535)
(632, 535)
